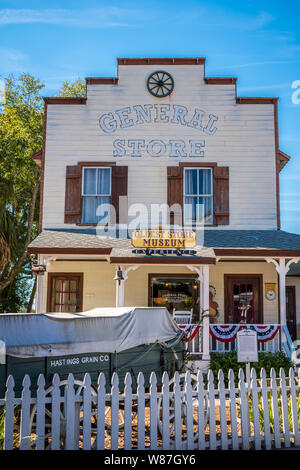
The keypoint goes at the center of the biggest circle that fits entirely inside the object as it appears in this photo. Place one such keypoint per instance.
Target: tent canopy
(99, 330)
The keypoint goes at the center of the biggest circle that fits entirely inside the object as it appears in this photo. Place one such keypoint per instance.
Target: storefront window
(179, 293)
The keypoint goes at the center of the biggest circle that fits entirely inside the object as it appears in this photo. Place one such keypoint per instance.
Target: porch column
(203, 278)
(120, 284)
(282, 266)
(39, 293)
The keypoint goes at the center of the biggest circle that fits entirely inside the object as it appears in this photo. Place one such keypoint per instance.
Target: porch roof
(216, 243)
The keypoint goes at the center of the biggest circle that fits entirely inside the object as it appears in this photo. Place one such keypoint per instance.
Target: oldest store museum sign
(163, 241)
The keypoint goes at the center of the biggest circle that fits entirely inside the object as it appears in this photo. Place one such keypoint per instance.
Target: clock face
(271, 294)
(160, 84)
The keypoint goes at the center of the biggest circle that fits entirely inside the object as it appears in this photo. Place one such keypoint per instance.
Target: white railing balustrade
(269, 345)
(187, 412)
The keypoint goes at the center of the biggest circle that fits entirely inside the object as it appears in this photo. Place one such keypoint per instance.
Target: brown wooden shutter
(221, 195)
(175, 191)
(119, 187)
(73, 195)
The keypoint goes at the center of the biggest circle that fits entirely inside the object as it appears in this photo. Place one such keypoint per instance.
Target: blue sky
(258, 42)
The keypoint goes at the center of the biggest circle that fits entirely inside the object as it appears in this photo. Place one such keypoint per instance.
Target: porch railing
(195, 345)
(272, 345)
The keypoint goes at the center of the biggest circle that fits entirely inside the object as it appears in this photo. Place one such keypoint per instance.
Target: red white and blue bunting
(190, 330)
(224, 333)
(265, 332)
(227, 333)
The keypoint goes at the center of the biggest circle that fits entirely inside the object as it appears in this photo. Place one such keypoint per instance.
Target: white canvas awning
(99, 330)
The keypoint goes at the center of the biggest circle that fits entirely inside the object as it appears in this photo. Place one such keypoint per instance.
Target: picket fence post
(25, 414)
(165, 412)
(70, 413)
(244, 410)
(284, 409)
(40, 413)
(141, 411)
(202, 401)
(87, 412)
(100, 439)
(255, 409)
(274, 395)
(189, 411)
(212, 411)
(56, 415)
(233, 414)
(177, 400)
(114, 412)
(9, 414)
(223, 420)
(265, 407)
(127, 411)
(294, 408)
(153, 411)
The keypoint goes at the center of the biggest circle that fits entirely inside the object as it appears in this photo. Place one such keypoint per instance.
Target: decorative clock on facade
(271, 294)
(160, 84)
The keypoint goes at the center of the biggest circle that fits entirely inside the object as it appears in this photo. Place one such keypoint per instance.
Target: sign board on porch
(163, 239)
(247, 350)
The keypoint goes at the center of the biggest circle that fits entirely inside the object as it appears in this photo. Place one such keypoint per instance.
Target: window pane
(205, 181)
(89, 181)
(103, 212)
(191, 186)
(207, 210)
(89, 206)
(198, 209)
(103, 181)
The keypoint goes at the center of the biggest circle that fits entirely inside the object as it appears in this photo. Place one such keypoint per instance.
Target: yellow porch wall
(270, 307)
(99, 286)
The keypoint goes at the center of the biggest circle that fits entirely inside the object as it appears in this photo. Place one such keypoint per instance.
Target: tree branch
(18, 264)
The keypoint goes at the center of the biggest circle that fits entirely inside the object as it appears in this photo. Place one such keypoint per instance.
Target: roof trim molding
(256, 252)
(64, 100)
(161, 61)
(37, 157)
(283, 159)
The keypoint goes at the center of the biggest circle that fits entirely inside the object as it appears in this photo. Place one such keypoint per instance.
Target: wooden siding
(244, 141)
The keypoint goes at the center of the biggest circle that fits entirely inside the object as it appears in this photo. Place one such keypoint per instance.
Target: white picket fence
(188, 412)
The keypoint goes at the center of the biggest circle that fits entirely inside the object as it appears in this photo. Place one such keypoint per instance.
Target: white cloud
(90, 18)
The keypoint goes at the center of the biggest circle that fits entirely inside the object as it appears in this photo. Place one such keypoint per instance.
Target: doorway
(243, 301)
(291, 311)
(174, 291)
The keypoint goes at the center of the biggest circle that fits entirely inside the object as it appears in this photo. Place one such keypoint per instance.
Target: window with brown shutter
(221, 195)
(217, 202)
(73, 195)
(88, 185)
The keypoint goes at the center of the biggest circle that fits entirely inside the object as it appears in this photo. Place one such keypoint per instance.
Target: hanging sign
(247, 350)
(163, 239)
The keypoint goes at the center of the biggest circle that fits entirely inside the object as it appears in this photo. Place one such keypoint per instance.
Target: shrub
(228, 361)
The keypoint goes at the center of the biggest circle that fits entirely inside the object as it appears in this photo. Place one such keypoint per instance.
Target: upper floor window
(198, 196)
(96, 191)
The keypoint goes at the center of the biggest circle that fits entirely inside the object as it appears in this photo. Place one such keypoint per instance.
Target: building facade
(162, 146)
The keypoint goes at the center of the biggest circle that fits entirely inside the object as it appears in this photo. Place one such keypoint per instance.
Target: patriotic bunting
(190, 330)
(224, 333)
(227, 333)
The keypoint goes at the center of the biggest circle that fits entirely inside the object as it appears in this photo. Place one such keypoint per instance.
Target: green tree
(21, 135)
(21, 128)
(73, 89)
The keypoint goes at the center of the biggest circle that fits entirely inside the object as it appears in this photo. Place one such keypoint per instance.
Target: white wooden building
(163, 134)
